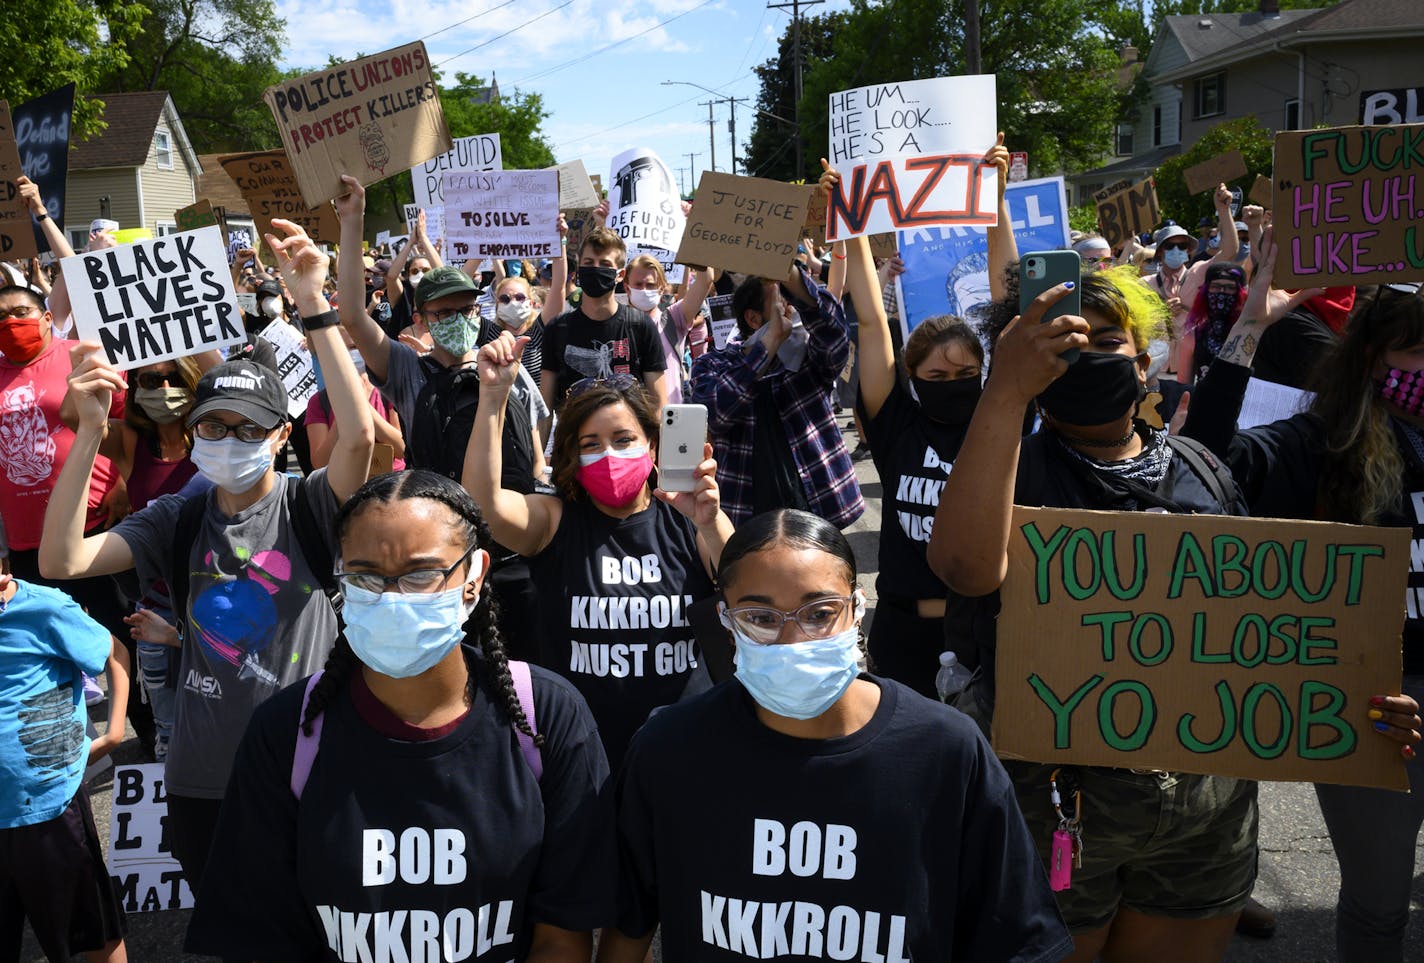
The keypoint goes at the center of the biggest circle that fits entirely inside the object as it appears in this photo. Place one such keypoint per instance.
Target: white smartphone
(684, 432)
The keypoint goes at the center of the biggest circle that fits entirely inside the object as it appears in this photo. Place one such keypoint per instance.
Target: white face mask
(272, 307)
(644, 299)
(793, 350)
(515, 313)
(232, 464)
(414, 278)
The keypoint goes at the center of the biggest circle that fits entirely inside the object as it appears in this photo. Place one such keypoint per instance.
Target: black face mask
(1097, 389)
(949, 402)
(597, 281)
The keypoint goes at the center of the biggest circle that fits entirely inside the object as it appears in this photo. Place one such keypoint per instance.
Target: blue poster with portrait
(947, 268)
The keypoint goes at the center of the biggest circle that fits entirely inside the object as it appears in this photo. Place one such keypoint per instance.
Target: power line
(466, 20)
(501, 36)
(609, 130)
(604, 49)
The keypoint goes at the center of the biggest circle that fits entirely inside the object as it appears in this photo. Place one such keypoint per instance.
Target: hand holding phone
(1041, 270)
(684, 432)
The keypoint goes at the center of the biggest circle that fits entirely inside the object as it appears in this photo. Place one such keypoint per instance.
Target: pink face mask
(1404, 390)
(614, 478)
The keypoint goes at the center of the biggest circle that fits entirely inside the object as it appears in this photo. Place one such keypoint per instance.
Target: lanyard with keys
(1067, 849)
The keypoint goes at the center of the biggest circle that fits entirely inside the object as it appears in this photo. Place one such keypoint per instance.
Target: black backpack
(444, 417)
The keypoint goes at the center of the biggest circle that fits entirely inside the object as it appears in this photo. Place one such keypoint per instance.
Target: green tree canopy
(1244, 134)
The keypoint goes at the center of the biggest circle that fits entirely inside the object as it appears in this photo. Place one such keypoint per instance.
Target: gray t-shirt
(257, 619)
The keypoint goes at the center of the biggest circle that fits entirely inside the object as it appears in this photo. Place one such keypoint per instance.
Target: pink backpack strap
(524, 689)
(307, 745)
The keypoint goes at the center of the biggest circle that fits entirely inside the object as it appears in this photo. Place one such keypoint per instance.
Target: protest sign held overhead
(17, 239)
(723, 323)
(42, 134)
(270, 188)
(1131, 210)
(1348, 205)
(645, 208)
(198, 215)
(947, 268)
(294, 364)
(1209, 174)
(912, 154)
(503, 214)
(581, 222)
(368, 118)
(746, 224)
(1402, 105)
(1200, 643)
(575, 188)
(146, 874)
(480, 152)
(1261, 191)
(153, 300)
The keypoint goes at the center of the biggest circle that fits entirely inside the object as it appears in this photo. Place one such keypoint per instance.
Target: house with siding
(137, 171)
(1290, 69)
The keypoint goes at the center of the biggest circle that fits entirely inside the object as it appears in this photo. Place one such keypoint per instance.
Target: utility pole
(796, 6)
(691, 171)
(973, 63)
(732, 126)
(711, 131)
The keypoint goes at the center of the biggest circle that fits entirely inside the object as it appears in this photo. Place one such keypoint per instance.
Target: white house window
(163, 150)
(1292, 114)
(167, 227)
(1211, 95)
(1124, 140)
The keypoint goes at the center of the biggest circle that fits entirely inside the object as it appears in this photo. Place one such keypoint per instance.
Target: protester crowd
(469, 684)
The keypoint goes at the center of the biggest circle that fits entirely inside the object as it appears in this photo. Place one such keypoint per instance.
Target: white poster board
(294, 364)
(645, 208)
(481, 152)
(719, 310)
(911, 154)
(156, 299)
(147, 877)
(575, 188)
(1267, 401)
(501, 214)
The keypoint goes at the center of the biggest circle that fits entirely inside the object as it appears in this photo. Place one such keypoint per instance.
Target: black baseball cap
(246, 388)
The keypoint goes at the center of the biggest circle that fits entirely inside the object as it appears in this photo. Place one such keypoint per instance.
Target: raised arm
(836, 274)
(304, 268)
(698, 285)
(969, 548)
(1225, 228)
(523, 523)
(559, 276)
(370, 339)
(65, 551)
(1003, 248)
(58, 243)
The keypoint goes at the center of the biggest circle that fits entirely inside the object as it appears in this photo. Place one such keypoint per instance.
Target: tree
(1245, 134)
(518, 118)
(215, 58)
(771, 149)
(57, 42)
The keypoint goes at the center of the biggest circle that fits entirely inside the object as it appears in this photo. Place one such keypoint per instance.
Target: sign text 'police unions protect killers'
(157, 299)
(912, 154)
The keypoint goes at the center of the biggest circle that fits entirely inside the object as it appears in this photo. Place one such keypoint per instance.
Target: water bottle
(951, 678)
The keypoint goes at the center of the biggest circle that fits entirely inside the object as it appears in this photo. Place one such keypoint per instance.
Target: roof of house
(1203, 35)
(218, 187)
(127, 139)
(1136, 164)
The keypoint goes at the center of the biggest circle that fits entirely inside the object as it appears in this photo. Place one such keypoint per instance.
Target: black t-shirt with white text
(902, 841)
(614, 620)
(578, 347)
(397, 849)
(913, 454)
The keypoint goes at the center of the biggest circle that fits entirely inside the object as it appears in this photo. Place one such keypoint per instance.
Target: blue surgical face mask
(232, 464)
(799, 680)
(402, 634)
(1175, 258)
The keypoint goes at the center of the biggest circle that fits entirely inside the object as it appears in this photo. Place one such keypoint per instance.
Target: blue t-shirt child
(46, 640)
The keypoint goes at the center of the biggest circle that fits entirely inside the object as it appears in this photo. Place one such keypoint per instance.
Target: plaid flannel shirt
(726, 382)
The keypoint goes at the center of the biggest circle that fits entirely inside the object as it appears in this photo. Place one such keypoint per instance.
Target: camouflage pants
(1163, 844)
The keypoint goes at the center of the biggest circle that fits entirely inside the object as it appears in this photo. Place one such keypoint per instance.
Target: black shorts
(53, 874)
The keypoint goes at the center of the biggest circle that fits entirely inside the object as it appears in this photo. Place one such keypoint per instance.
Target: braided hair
(483, 624)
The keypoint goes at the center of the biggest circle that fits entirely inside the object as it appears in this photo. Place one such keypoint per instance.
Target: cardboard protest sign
(1127, 212)
(201, 214)
(912, 154)
(1347, 208)
(746, 224)
(269, 186)
(368, 118)
(575, 188)
(42, 134)
(947, 268)
(723, 323)
(1208, 175)
(582, 223)
(597, 184)
(883, 245)
(17, 238)
(480, 152)
(645, 208)
(1200, 643)
(504, 214)
(294, 364)
(1401, 105)
(153, 300)
(815, 225)
(1261, 191)
(146, 874)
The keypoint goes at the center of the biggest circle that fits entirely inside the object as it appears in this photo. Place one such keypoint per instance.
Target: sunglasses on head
(620, 383)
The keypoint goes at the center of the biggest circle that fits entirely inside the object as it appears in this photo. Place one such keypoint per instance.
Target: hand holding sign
(352, 204)
(92, 383)
(1265, 304)
(998, 155)
(1396, 717)
(302, 264)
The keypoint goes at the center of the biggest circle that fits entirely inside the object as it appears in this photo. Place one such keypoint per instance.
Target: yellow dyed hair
(1120, 297)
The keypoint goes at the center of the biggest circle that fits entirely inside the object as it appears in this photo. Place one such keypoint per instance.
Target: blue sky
(598, 106)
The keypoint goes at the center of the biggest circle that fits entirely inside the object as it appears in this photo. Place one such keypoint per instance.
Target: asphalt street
(1298, 874)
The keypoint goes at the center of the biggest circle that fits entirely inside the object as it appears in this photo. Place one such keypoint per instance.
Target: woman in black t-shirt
(807, 810)
(414, 795)
(617, 563)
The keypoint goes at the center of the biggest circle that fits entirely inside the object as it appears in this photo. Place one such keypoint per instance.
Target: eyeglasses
(23, 313)
(217, 431)
(506, 298)
(446, 314)
(818, 619)
(153, 380)
(421, 581)
(620, 383)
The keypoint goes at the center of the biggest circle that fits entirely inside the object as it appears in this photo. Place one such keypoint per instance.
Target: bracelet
(327, 319)
(563, 242)
(42, 217)
(838, 257)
